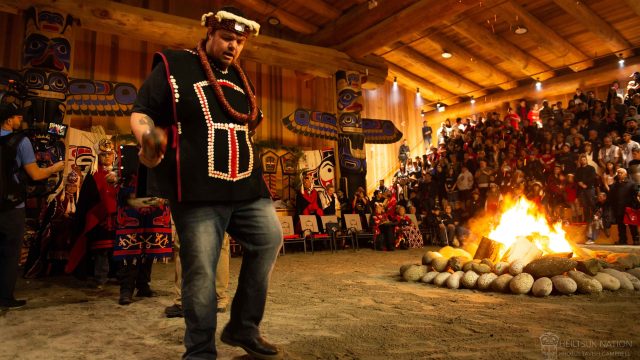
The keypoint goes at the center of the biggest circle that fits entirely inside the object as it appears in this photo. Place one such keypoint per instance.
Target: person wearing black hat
(18, 162)
(194, 117)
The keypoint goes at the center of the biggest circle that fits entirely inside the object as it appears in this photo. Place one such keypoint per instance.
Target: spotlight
(422, 113)
(621, 62)
(473, 101)
(395, 79)
(272, 20)
(445, 54)
(440, 106)
(417, 91)
(538, 85)
(520, 30)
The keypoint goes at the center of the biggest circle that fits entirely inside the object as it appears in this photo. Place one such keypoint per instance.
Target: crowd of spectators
(580, 163)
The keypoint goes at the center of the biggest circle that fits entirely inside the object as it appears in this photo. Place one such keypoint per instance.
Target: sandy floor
(329, 306)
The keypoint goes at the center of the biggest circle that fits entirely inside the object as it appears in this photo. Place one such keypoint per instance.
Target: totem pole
(46, 61)
(349, 129)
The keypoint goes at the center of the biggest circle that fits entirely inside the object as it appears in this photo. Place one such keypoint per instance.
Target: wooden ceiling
(564, 36)
(401, 39)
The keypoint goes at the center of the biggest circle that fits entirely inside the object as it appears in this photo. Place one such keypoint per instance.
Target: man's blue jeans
(201, 226)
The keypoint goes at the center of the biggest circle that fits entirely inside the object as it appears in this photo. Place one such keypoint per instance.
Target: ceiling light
(441, 107)
(395, 79)
(445, 54)
(422, 113)
(520, 30)
(473, 101)
(372, 4)
(272, 20)
(621, 62)
(417, 91)
(538, 85)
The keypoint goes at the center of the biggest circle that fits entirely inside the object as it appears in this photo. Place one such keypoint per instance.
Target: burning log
(622, 261)
(488, 249)
(549, 266)
(562, 255)
(589, 266)
(523, 249)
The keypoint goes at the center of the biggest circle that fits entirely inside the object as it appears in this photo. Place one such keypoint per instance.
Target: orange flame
(524, 220)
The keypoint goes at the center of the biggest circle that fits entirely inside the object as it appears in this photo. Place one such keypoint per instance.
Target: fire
(524, 220)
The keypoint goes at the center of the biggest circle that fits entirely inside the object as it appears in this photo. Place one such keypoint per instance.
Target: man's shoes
(145, 292)
(257, 347)
(125, 298)
(12, 303)
(173, 311)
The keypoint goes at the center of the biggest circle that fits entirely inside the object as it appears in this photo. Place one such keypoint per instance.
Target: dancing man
(194, 117)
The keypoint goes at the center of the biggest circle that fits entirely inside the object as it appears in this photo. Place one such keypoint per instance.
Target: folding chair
(289, 236)
(332, 227)
(353, 225)
(309, 226)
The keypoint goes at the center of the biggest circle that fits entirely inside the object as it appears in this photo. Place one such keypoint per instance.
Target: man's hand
(153, 147)
(57, 167)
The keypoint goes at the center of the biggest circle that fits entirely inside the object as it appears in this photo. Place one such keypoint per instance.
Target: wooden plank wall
(280, 91)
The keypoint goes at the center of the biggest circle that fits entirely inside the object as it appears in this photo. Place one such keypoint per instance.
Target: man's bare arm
(152, 140)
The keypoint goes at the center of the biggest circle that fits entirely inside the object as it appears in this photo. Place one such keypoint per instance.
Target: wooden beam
(546, 37)
(178, 32)
(411, 81)
(286, 18)
(8, 8)
(354, 21)
(415, 18)
(635, 5)
(503, 48)
(451, 80)
(597, 25)
(320, 7)
(461, 55)
(561, 85)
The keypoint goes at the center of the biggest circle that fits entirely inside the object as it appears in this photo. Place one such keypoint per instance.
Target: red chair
(310, 230)
(289, 235)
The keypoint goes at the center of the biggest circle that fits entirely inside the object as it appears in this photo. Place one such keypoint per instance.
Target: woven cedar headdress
(232, 22)
(105, 146)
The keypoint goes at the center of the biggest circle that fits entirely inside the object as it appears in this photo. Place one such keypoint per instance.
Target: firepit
(525, 254)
